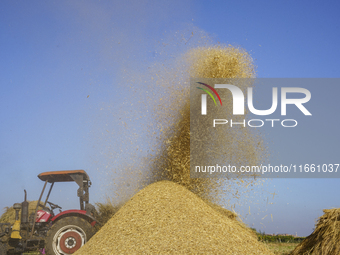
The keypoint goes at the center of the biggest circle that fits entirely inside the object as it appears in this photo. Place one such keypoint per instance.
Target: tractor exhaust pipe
(24, 210)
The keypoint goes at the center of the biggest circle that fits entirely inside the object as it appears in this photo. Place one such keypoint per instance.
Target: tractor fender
(77, 213)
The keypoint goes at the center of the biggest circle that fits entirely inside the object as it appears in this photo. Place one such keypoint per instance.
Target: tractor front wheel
(68, 235)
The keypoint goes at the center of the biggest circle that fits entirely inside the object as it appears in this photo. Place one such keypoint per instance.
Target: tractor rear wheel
(68, 235)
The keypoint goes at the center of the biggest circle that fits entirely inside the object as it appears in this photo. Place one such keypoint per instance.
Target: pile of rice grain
(326, 237)
(167, 218)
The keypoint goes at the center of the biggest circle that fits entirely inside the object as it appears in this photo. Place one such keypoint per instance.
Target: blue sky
(63, 66)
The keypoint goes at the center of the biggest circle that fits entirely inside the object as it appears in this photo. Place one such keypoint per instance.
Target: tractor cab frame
(78, 176)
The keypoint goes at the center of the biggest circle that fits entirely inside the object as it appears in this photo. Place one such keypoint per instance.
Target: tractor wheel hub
(70, 242)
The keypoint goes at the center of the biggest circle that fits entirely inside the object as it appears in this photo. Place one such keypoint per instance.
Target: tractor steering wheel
(54, 206)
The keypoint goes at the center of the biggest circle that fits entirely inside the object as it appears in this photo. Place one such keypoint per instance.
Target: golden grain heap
(326, 237)
(166, 218)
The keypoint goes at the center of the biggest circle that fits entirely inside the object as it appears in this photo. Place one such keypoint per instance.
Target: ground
(281, 248)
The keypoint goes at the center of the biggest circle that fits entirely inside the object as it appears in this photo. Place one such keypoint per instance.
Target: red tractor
(53, 234)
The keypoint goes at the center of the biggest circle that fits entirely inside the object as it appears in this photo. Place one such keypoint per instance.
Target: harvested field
(167, 218)
(281, 248)
(326, 237)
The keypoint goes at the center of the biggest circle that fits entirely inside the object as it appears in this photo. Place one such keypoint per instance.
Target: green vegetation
(279, 244)
(280, 239)
(262, 236)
